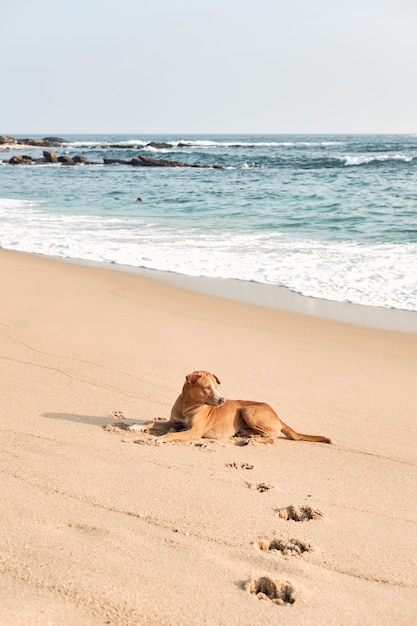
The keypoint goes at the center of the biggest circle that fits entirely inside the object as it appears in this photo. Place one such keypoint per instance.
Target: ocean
(330, 217)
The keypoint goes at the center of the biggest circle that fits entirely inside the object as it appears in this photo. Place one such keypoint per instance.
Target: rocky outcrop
(55, 139)
(20, 160)
(159, 146)
(139, 161)
(6, 139)
(51, 157)
(81, 159)
(116, 162)
(144, 161)
(67, 160)
(47, 142)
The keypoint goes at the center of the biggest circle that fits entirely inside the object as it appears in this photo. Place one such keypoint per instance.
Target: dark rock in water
(138, 199)
(121, 146)
(54, 139)
(143, 161)
(160, 146)
(7, 139)
(66, 160)
(20, 160)
(116, 161)
(139, 161)
(183, 144)
(81, 159)
(51, 157)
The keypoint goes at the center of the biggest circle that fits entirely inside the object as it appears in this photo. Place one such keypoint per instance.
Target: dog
(203, 412)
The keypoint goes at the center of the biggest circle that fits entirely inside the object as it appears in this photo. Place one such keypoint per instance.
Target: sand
(19, 146)
(100, 526)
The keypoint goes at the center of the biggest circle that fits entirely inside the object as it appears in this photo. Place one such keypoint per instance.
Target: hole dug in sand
(299, 513)
(291, 547)
(276, 591)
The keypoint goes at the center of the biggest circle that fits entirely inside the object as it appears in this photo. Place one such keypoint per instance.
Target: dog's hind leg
(262, 420)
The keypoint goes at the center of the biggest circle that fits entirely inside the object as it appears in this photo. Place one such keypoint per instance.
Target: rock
(54, 139)
(122, 146)
(183, 144)
(81, 159)
(20, 160)
(50, 142)
(160, 146)
(7, 139)
(51, 157)
(66, 160)
(116, 161)
(38, 143)
(143, 161)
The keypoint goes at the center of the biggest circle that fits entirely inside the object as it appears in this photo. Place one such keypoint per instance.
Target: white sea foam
(204, 144)
(365, 159)
(200, 143)
(90, 144)
(381, 275)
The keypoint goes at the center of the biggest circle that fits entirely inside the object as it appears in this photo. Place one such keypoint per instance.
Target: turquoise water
(333, 217)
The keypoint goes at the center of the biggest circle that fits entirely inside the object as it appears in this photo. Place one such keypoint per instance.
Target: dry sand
(97, 527)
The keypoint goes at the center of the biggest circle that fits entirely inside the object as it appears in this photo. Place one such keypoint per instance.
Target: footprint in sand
(275, 591)
(292, 547)
(299, 513)
(246, 466)
(261, 487)
(118, 415)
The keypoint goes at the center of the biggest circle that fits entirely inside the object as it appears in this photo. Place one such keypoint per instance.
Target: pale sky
(208, 66)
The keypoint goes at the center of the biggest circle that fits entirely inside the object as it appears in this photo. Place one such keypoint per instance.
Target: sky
(208, 66)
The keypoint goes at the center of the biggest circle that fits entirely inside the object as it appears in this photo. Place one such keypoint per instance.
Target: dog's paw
(140, 427)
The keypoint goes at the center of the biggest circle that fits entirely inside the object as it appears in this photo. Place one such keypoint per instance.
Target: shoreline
(275, 297)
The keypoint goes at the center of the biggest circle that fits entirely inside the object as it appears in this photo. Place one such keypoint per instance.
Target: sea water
(331, 217)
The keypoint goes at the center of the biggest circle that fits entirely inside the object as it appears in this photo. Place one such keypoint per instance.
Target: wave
(372, 274)
(367, 159)
(200, 144)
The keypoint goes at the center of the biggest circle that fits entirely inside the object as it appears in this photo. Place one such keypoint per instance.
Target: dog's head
(201, 387)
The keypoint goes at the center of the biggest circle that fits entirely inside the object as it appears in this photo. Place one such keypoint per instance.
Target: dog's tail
(291, 434)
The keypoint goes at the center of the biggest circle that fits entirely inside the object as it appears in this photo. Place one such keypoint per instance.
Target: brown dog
(203, 411)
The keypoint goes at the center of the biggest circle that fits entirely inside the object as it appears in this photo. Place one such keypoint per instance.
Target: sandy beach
(100, 526)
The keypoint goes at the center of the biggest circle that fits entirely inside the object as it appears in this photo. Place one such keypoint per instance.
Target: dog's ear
(192, 378)
(216, 379)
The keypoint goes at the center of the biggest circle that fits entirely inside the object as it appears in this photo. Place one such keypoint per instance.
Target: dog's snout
(220, 401)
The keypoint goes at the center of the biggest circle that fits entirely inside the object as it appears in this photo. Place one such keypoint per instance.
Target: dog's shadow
(95, 420)
(116, 422)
